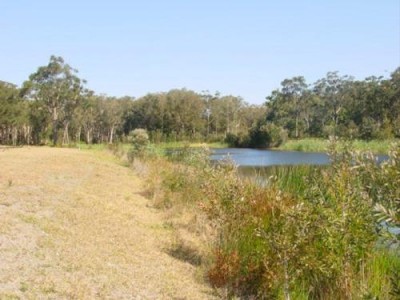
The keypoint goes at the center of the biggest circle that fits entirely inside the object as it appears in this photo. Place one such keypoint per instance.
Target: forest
(54, 106)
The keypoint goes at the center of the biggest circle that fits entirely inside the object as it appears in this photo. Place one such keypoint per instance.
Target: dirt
(73, 225)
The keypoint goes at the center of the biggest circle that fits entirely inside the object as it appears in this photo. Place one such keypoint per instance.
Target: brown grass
(73, 225)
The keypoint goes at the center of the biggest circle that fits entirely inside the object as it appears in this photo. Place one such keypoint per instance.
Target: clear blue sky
(237, 47)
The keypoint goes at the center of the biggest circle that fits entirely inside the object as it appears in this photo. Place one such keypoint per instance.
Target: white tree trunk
(111, 135)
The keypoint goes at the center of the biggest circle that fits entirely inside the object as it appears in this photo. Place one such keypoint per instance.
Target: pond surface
(264, 158)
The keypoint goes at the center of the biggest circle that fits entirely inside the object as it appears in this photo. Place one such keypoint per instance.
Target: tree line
(55, 106)
(338, 105)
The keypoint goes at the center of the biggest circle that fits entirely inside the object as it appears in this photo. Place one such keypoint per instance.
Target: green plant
(308, 233)
(140, 140)
(315, 241)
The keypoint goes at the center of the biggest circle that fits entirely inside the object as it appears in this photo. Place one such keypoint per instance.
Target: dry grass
(73, 225)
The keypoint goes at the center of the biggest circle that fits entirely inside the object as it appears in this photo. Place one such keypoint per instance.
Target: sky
(238, 47)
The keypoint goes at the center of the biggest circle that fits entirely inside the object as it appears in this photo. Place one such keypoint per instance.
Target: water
(265, 158)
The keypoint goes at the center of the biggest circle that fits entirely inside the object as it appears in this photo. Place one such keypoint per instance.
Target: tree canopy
(54, 102)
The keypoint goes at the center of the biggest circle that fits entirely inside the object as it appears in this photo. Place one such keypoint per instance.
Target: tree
(332, 89)
(294, 90)
(57, 88)
(113, 111)
(14, 124)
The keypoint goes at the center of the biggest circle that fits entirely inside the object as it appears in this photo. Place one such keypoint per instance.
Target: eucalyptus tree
(90, 114)
(290, 106)
(184, 111)
(147, 112)
(209, 112)
(250, 116)
(226, 113)
(113, 110)
(294, 90)
(14, 123)
(332, 90)
(58, 89)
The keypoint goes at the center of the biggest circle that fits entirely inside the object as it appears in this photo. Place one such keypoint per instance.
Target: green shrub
(267, 136)
(273, 243)
(232, 140)
(140, 140)
(307, 234)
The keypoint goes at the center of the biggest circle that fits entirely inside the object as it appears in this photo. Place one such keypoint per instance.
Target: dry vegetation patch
(73, 225)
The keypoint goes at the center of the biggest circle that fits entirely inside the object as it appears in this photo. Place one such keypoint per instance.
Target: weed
(23, 287)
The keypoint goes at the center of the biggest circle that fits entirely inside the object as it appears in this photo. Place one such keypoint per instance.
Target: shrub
(232, 140)
(309, 234)
(268, 135)
(140, 140)
(273, 243)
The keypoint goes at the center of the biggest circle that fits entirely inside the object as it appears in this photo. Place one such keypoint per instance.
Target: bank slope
(73, 224)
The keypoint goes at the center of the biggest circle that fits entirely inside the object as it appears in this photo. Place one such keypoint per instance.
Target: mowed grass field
(73, 225)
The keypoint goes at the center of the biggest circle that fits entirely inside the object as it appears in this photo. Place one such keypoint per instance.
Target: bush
(306, 234)
(140, 140)
(241, 140)
(274, 243)
(232, 140)
(267, 136)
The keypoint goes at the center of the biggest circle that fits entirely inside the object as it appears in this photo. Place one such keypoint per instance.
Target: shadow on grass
(185, 253)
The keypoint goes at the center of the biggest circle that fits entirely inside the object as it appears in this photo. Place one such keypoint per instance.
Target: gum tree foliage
(294, 92)
(338, 105)
(334, 105)
(14, 123)
(58, 90)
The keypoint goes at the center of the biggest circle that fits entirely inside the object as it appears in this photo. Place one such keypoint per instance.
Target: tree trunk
(78, 134)
(88, 136)
(66, 134)
(14, 135)
(55, 126)
(27, 134)
(307, 121)
(111, 134)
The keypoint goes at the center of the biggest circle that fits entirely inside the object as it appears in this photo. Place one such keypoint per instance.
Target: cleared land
(73, 225)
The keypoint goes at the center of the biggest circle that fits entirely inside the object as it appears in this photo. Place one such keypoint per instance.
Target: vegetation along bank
(306, 233)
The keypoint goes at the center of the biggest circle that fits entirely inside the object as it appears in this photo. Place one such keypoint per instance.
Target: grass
(291, 179)
(381, 263)
(321, 145)
(78, 228)
(169, 145)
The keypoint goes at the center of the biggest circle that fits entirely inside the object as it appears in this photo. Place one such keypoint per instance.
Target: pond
(264, 158)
